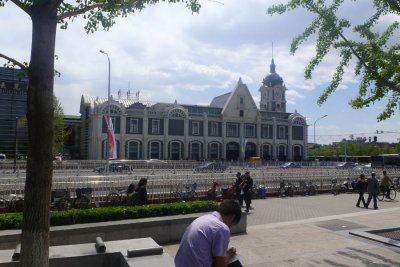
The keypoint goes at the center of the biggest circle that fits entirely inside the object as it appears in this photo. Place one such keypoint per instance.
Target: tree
(377, 60)
(46, 15)
(60, 134)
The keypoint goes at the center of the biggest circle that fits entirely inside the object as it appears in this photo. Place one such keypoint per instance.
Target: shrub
(75, 216)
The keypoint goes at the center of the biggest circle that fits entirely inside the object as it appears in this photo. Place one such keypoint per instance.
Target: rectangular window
(155, 127)
(266, 131)
(281, 132)
(250, 130)
(214, 129)
(241, 100)
(241, 113)
(231, 130)
(134, 126)
(196, 128)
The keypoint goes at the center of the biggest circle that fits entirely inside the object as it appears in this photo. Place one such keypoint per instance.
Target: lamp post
(315, 123)
(108, 107)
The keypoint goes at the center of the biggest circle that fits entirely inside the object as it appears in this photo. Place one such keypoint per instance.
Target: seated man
(205, 241)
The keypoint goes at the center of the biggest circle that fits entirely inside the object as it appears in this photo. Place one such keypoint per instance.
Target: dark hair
(238, 174)
(231, 207)
(142, 181)
(384, 172)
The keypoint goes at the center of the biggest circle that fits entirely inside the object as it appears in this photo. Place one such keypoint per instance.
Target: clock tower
(273, 92)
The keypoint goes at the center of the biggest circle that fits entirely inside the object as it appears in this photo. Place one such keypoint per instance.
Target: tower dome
(273, 78)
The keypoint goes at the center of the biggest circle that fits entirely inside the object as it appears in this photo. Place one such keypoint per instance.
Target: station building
(232, 127)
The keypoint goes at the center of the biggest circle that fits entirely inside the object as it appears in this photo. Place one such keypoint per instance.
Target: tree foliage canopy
(46, 16)
(376, 53)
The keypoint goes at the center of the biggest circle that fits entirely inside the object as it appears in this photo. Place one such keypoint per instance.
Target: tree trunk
(36, 216)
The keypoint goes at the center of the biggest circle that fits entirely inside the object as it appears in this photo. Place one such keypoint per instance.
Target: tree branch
(15, 62)
(21, 6)
(372, 71)
(80, 11)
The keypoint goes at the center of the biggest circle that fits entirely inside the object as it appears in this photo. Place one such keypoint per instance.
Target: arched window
(298, 121)
(114, 110)
(177, 113)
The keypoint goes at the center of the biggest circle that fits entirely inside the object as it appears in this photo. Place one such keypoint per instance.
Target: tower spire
(272, 66)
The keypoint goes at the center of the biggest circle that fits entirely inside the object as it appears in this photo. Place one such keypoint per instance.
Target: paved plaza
(314, 231)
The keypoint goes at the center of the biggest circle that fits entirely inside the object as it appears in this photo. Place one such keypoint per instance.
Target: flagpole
(109, 110)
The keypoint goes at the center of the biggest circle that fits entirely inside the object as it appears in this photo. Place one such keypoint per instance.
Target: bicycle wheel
(392, 193)
(63, 204)
(381, 196)
(81, 203)
(114, 199)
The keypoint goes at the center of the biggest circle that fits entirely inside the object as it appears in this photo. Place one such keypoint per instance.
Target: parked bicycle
(286, 189)
(391, 195)
(308, 188)
(118, 197)
(187, 194)
(334, 186)
(83, 197)
(12, 203)
(61, 199)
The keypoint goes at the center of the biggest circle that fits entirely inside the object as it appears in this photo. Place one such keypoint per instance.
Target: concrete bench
(116, 255)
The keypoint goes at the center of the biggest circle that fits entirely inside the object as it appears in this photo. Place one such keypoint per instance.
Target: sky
(167, 53)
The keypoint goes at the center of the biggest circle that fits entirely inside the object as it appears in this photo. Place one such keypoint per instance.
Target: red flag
(111, 144)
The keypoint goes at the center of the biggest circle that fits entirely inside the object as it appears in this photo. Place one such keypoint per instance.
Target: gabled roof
(219, 101)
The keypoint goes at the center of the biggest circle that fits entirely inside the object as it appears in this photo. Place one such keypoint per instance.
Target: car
(211, 167)
(362, 167)
(290, 165)
(114, 167)
(344, 165)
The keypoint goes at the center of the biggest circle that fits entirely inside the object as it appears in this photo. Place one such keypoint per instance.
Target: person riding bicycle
(384, 184)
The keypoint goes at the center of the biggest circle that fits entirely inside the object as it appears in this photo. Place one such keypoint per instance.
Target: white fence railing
(162, 184)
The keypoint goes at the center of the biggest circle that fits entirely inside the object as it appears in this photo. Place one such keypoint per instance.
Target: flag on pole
(111, 144)
(243, 148)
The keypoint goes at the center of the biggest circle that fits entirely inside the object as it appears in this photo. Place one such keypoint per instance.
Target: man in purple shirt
(205, 241)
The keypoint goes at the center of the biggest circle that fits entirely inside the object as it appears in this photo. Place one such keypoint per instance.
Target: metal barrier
(162, 184)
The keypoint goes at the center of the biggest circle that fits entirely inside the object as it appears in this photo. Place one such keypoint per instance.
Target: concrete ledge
(116, 255)
(166, 229)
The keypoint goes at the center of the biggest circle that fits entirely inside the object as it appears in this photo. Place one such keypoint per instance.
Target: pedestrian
(139, 195)
(247, 190)
(239, 189)
(373, 190)
(141, 191)
(205, 241)
(385, 183)
(361, 186)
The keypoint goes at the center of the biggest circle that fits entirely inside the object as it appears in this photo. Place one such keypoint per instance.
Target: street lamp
(108, 107)
(315, 123)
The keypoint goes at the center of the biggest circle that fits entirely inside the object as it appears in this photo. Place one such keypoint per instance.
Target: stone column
(166, 139)
(274, 133)
(145, 135)
(205, 136)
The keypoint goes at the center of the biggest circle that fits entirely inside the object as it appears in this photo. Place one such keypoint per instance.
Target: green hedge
(75, 216)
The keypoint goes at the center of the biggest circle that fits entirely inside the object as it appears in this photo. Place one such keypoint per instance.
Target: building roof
(273, 78)
(219, 101)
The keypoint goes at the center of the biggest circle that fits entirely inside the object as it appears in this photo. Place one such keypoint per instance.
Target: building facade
(13, 107)
(231, 128)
